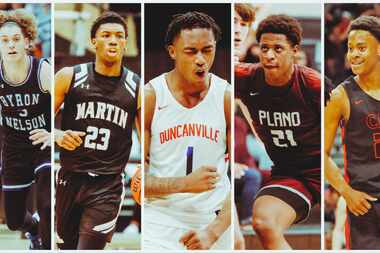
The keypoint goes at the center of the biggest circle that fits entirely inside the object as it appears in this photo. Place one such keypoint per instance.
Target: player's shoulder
(312, 78)
(219, 81)
(339, 93)
(131, 76)
(243, 69)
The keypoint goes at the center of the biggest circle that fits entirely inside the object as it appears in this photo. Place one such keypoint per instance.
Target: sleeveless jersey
(183, 140)
(104, 108)
(361, 138)
(287, 118)
(24, 106)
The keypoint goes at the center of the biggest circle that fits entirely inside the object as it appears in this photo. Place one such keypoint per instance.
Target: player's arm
(200, 180)
(42, 136)
(338, 108)
(68, 139)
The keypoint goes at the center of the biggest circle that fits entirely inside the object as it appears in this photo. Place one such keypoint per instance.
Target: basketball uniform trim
(39, 74)
(16, 187)
(278, 189)
(39, 167)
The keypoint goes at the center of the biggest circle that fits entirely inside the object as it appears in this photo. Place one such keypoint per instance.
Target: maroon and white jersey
(287, 118)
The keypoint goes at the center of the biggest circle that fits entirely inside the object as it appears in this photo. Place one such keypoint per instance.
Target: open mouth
(356, 63)
(200, 73)
(270, 66)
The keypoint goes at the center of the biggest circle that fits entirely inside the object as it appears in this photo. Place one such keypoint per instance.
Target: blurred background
(72, 46)
(11, 240)
(157, 60)
(337, 21)
(252, 164)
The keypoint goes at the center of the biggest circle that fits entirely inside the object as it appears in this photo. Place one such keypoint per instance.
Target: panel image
(277, 125)
(187, 104)
(25, 102)
(97, 65)
(352, 126)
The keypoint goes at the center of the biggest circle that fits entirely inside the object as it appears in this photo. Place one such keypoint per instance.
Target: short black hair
(281, 24)
(108, 17)
(191, 20)
(370, 24)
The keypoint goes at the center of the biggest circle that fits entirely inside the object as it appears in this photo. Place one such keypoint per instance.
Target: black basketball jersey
(24, 106)
(361, 138)
(287, 118)
(104, 108)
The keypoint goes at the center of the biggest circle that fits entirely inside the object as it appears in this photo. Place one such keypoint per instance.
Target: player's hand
(68, 139)
(202, 179)
(239, 243)
(357, 202)
(38, 136)
(198, 239)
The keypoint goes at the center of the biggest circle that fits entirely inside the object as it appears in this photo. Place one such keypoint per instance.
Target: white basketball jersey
(182, 140)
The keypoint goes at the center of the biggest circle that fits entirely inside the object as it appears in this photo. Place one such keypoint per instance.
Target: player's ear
(171, 51)
(296, 48)
(93, 42)
(378, 49)
(27, 44)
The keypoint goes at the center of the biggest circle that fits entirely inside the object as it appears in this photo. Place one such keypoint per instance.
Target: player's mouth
(112, 51)
(270, 66)
(12, 53)
(237, 42)
(201, 73)
(357, 64)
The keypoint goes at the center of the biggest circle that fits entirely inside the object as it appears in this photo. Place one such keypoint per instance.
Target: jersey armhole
(39, 74)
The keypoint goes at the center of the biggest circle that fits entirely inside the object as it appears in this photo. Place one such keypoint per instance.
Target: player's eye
(264, 48)
(105, 35)
(362, 49)
(350, 49)
(278, 49)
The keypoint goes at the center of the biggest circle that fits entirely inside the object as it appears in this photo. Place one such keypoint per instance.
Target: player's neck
(17, 71)
(107, 68)
(371, 80)
(281, 80)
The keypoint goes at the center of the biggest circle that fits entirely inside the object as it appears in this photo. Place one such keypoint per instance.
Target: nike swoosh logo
(254, 93)
(356, 102)
(162, 107)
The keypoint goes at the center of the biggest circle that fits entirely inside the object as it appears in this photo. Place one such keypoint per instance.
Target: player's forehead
(274, 39)
(110, 28)
(360, 37)
(10, 29)
(195, 37)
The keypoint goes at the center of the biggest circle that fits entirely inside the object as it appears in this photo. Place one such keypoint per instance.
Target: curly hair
(191, 20)
(108, 17)
(25, 20)
(246, 12)
(367, 23)
(281, 24)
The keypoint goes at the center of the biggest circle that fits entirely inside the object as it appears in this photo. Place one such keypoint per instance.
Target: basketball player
(281, 101)
(100, 105)
(187, 134)
(25, 111)
(355, 105)
(243, 18)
